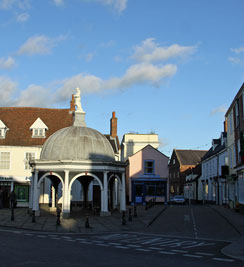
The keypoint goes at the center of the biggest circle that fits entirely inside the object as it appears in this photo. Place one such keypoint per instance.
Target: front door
(139, 196)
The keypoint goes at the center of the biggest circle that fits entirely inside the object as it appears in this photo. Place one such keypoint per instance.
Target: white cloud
(40, 44)
(7, 89)
(144, 72)
(7, 63)
(141, 73)
(119, 5)
(136, 74)
(33, 96)
(22, 17)
(58, 2)
(238, 50)
(220, 109)
(150, 51)
(234, 60)
(8, 4)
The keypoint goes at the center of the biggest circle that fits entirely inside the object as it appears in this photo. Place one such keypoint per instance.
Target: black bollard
(87, 222)
(58, 217)
(130, 217)
(33, 216)
(123, 218)
(135, 212)
(12, 214)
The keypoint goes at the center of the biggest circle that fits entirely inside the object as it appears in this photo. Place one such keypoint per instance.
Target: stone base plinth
(105, 213)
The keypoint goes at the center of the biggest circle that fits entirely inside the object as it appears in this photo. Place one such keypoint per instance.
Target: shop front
(143, 190)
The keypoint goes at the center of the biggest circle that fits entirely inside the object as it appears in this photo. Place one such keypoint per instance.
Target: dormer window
(3, 130)
(39, 129)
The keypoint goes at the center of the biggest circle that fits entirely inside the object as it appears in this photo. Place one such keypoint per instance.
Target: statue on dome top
(78, 101)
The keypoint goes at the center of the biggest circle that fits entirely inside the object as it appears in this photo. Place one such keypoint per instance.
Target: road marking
(104, 245)
(41, 235)
(186, 218)
(80, 239)
(142, 249)
(166, 252)
(25, 234)
(177, 250)
(121, 247)
(156, 248)
(115, 244)
(193, 256)
(204, 254)
(70, 240)
(194, 224)
(134, 246)
(66, 237)
(85, 242)
(98, 241)
(222, 259)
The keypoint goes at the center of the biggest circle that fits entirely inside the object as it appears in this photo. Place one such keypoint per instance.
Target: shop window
(22, 193)
(148, 167)
(5, 160)
(151, 190)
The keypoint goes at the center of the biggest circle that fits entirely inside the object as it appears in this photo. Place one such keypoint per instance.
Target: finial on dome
(79, 114)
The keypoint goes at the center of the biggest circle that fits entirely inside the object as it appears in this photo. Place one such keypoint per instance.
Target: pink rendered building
(147, 176)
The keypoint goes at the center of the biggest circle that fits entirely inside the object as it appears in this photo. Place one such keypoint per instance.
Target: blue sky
(171, 67)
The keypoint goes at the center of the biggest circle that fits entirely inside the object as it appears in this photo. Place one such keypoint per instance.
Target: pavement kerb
(157, 215)
(228, 220)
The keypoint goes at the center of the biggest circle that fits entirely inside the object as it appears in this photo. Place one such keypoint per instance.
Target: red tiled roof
(19, 120)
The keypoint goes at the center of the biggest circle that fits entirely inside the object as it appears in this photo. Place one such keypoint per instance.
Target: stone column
(31, 192)
(36, 194)
(66, 198)
(122, 194)
(104, 210)
(53, 207)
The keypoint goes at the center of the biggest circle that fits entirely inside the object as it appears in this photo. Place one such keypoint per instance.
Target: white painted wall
(131, 143)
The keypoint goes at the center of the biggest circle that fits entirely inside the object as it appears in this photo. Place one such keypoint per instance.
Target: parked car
(178, 200)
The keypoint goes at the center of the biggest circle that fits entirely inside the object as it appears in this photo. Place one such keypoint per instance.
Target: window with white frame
(234, 155)
(38, 133)
(3, 130)
(4, 160)
(237, 113)
(38, 129)
(28, 156)
(241, 189)
(238, 150)
(230, 122)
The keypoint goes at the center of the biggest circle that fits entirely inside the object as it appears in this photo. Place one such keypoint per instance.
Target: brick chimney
(72, 104)
(113, 125)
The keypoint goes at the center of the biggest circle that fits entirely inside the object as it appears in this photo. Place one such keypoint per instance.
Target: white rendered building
(132, 143)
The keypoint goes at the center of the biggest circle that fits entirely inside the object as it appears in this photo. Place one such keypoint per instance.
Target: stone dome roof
(77, 143)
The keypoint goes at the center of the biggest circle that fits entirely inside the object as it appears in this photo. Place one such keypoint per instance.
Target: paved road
(195, 222)
(25, 248)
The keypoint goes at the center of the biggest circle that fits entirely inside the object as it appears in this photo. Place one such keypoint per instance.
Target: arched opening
(50, 192)
(85, 193)
(114, 188)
